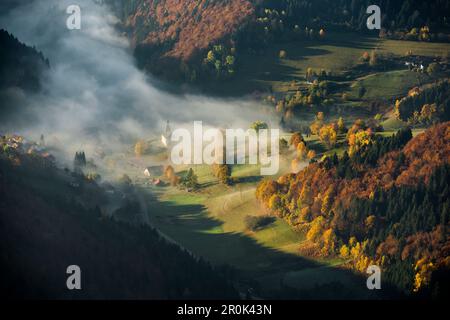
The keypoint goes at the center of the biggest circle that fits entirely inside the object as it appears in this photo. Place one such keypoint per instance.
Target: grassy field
(386, 85)
(337, 53)
(210, 223)
(269, 256)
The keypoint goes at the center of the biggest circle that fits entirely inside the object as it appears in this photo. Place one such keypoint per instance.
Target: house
(154, 171)
(415, 63)
(310, 79)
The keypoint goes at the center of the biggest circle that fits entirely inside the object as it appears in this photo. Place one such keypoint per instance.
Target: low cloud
(93, 93)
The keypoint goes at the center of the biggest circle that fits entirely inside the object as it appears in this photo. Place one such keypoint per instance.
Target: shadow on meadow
(273, 273)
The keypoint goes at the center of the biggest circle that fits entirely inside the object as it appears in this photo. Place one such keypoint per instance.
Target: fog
(93, 93)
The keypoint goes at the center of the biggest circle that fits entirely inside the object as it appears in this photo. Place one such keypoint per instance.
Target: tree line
(382, 204)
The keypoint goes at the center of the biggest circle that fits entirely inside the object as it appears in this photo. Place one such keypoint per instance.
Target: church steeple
(165, 137)
(168, 132)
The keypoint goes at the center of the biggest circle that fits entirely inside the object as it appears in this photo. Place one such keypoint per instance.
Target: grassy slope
(386, 85)
(210, 224)
(338, 52)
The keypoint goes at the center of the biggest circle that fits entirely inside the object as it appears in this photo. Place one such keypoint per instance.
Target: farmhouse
(153, 171)
(310, 79)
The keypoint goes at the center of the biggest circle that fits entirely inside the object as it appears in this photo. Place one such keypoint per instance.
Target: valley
(364, 151)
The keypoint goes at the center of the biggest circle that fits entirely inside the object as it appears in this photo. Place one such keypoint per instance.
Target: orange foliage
(423, 154)
(192, 25)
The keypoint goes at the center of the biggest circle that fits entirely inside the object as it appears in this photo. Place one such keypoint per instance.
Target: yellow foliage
(341, 124)
(169, 172)
(423, 269)
(413, 92)
(210, 56)
(302, 150)
(370, 221)
(316, 229)
(328, 136)
(362, 263)
(275, 202)
(311, 154)
(428, 111)
(344, 251)
(358, 140)
(356, 250)
(315, 127)
(329, 240)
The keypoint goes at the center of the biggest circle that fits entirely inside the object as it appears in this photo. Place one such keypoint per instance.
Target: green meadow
(210, 223)
(337, 53)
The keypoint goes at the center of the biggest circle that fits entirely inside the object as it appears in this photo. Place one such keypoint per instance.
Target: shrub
(254, 223)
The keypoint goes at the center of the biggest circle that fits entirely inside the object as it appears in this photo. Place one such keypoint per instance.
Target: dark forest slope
(20, 65)
(46, 225)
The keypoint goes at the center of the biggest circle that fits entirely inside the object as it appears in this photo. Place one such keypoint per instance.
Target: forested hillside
(181, 35)
(386, 204)
(169, 34)
(20, 65)
(50, 219)
(396, 15)
(425, 105)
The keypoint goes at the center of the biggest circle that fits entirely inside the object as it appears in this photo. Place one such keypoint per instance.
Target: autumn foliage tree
(317, 123)
(385, 203)
(170, 175)
(328, 135)
(358, 140)
(295, 139)
(302, 150)
(140, 148)
(223, 173)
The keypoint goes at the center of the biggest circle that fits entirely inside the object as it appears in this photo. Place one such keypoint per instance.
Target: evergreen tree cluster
(79, 161)
(190, 181)
(406, 14)
(402, 213)
(348, 167)
(438, 94)
(20, 65)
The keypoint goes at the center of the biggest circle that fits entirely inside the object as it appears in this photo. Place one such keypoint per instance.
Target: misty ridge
(93, 94)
